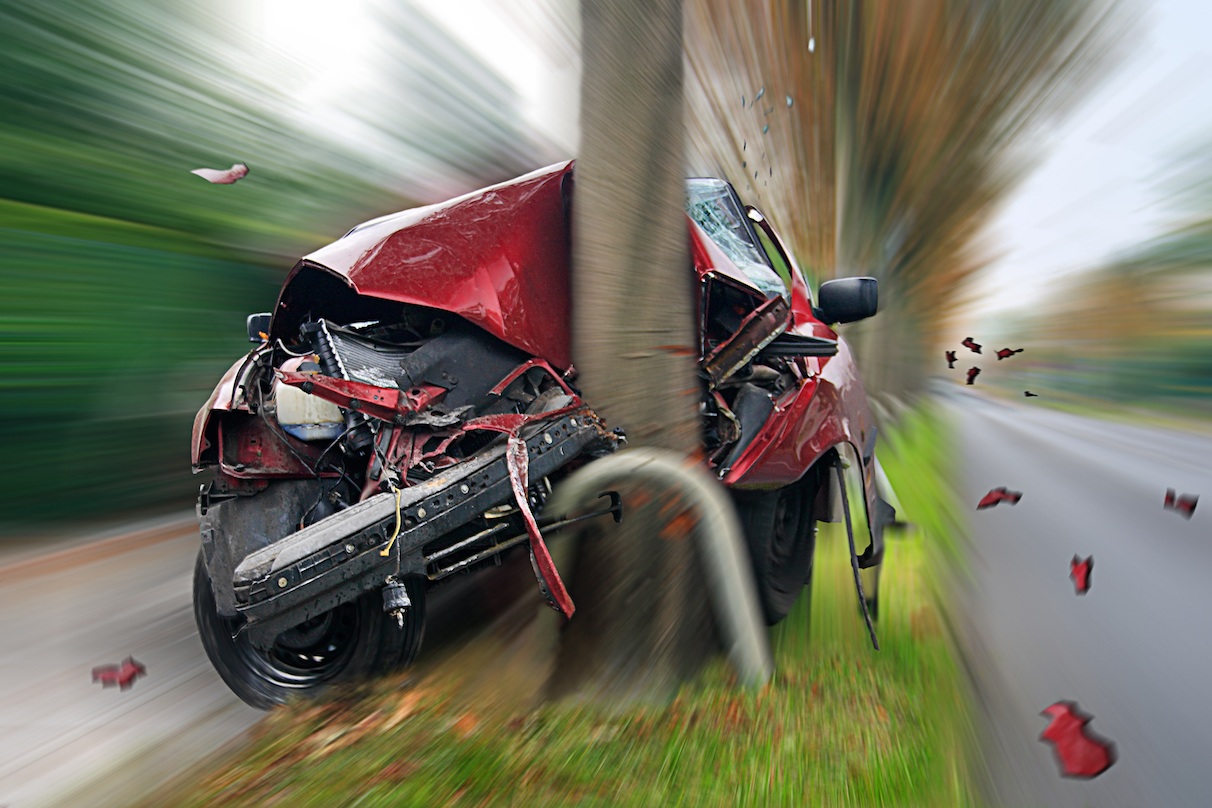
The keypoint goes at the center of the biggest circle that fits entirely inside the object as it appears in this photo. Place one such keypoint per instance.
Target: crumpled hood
(498, 257)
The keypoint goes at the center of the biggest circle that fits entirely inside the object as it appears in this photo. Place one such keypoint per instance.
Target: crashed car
(410, 404)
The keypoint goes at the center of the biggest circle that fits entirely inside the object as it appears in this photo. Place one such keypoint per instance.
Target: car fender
(204, 442)
(828, 411)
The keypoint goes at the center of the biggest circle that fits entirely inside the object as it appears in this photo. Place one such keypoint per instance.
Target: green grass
(839, 725)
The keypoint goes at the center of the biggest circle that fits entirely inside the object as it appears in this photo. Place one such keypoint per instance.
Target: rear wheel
(353, 640)
(780, 530)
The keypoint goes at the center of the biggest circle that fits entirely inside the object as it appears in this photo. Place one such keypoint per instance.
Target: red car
(410, 402)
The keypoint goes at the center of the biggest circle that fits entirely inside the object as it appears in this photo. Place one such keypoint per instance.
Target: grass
(839, 725)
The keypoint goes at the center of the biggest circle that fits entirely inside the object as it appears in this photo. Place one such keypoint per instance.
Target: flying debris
(1184, 504)
(998, 495)
(1080, 571)
(237, 172)
(123, 675)
(1029, 394)
(972, 374)
(1079, 753)
(1006, 353)
(950, 359)
(765, 129)
(789, 102)
(970, 345)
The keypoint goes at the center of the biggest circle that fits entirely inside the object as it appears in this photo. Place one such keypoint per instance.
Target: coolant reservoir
(303, 415)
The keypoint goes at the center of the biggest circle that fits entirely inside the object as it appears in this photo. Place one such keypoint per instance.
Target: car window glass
(712, 207)
(776, 257)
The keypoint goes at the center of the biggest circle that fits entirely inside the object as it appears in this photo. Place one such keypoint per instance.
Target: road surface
(1136, 651)
(71, 606)
(67, 741)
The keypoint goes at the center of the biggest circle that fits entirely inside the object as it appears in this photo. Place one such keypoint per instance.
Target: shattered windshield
(713, 207)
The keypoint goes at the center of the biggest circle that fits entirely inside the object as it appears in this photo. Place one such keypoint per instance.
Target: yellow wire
(387, 550)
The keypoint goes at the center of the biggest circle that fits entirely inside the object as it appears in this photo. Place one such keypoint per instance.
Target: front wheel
(780, 530)
(353, 640)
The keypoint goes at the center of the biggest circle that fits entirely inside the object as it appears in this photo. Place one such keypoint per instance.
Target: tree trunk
(643, 622)
(633, 295)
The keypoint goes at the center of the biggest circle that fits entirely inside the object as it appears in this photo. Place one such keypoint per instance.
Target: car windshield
(712, 205)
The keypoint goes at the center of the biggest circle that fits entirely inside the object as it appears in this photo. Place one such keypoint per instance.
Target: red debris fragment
(123, 675)
(972, 374)
(1079, 753)
(1184, 504)
(1080, 571)
(998, 495)
(220, 177)
(971, 345)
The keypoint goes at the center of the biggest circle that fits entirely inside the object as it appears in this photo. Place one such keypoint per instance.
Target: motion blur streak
(126, 279)
(910, 123)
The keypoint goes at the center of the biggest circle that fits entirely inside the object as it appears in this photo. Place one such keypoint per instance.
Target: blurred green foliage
(114, 336)
(125, 278)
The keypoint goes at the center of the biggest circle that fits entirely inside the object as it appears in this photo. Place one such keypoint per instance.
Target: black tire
(353, 640)
(780, 531)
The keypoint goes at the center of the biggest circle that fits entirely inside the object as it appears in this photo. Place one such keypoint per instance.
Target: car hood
(499, 257)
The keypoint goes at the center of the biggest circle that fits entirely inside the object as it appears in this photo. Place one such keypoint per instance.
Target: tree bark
(633, 293)
(643, 622)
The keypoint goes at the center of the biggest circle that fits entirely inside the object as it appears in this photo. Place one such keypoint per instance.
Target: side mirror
(258, 324)
(846, 300)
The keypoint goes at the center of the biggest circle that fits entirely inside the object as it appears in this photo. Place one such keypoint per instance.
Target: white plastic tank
(302, 415)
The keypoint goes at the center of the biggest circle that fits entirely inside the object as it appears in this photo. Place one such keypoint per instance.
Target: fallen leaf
(466, 725)
(409, 704)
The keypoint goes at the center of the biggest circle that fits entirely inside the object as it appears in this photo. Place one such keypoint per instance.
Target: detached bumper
(337, 559)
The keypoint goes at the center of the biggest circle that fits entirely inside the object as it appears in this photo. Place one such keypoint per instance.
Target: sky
(337, 38)
(1100, 189)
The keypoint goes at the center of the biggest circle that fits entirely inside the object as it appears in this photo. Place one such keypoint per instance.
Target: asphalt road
(67, 741)
(72, 605)
(1136, 650)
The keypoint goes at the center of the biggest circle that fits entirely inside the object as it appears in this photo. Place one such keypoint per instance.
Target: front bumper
(338, 558)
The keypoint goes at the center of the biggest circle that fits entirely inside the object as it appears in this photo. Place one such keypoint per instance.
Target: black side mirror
(846, 300)
(258, 324)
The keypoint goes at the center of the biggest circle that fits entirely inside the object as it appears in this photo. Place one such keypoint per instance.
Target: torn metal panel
(759, 328)
(250, 447)
(525, 366)
(384, 403)
(518, 460)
